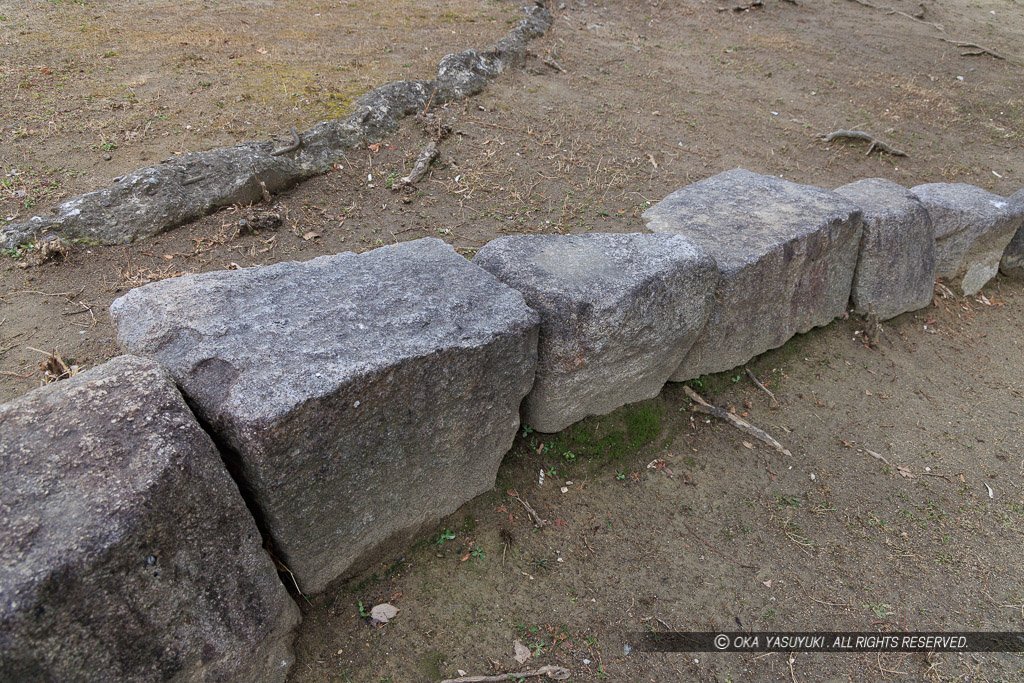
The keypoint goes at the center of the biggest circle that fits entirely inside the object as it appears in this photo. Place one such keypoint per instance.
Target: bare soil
(618, 105)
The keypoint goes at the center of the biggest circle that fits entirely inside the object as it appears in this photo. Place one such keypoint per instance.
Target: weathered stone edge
(152, 200)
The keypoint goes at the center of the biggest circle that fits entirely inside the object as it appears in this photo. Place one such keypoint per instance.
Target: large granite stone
(1012, 263)
(126, 550)
(618, 314)
(972, 229)
(786, 254)
(365, 396)
(896, 267)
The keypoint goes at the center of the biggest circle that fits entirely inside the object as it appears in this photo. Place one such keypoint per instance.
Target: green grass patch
(605, 439)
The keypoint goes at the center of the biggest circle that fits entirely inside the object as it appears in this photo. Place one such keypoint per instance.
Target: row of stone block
(359, 398)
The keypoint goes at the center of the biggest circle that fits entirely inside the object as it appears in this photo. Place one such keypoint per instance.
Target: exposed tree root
(860, 135)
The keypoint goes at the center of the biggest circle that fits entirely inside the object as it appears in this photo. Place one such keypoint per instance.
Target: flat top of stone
(273, 337)
(880, 197)
(591, 268)
(58, 504)
(964, 198)
(959, 195)
(736, 213)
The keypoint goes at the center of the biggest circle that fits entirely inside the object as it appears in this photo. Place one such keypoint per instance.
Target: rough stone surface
(896, 267)
(155, 199)
(972, 228)
(786, 254)
(618, 314)
(365, 396)
(126, 551)
(1012, 263)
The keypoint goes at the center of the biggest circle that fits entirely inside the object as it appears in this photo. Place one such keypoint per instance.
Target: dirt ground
(93, 89)
(617, 106)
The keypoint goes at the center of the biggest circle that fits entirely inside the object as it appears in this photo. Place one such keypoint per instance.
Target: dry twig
(890, 10)
(557, 673)
(775, 401)
(878, 456)
(296, 143)
(975, 50)
(419, 169)
(861, 135)
(537, 521)
(554, 65)
(54, 367)
(753, 4)
(702, 406)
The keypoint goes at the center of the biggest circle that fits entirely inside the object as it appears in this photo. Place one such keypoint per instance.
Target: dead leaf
(375, 147)
(522, 652)
(383, 613)
(660, 465)
(904, 471)
(310, 235)
(261, 50)
(747, 444)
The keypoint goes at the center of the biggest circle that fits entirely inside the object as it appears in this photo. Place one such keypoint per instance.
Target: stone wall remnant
(152, 200)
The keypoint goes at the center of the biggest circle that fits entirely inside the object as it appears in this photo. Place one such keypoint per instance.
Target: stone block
(786, 254)
(896, 267)
(365, 396)
(126, 550)
(618, 314)
(972, 229)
